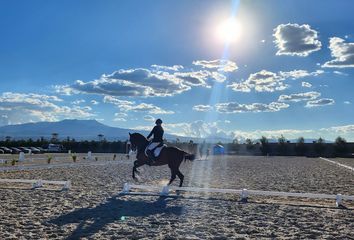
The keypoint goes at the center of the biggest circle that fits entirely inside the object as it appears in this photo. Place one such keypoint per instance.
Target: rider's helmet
(158, 121)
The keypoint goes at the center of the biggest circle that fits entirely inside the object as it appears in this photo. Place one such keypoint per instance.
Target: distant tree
(264, 145)
(100, 137)
(8, 138)
(319, 146)
(340, 146)
(55, 137)
(282, 145)
(249, 144)
(300, 147)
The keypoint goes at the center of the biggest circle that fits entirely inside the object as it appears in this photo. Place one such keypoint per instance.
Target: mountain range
(77, 129)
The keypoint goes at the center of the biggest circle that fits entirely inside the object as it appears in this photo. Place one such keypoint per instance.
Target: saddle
(157, 150)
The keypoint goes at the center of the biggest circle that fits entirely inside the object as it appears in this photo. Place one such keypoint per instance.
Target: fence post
(339, 200)
(165, 191)
(244, 195)
(126, 188)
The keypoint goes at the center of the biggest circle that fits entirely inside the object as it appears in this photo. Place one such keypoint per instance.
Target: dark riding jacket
(157, 131)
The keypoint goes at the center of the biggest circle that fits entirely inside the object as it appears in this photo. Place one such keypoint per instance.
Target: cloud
(120, 117)
(134, 82)
(347, 102)
(198, 78)
(127, 106)
(320, 102)
(65, 90)
(340, 73)
(296, 74)
(343, 54)
(78, 101)
(94, 102)
(142, 82)
(202, 108)
(306, 84)
(346, 129)
(296, 40)
(149, 118)
(20, 108)
(297, 97)
(218, 64)
(234, 107)
(167, 68)
(262, 81)
(266, 81)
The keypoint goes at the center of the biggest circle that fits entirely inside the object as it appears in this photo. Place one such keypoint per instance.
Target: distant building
(218, 150)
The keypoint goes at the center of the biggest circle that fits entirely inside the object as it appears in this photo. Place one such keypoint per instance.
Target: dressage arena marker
(339, 164)
(244, 193)
(38, 183)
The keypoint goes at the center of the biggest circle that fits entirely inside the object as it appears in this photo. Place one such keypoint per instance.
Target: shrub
(300, 147)
(49, 158)
(74, 157)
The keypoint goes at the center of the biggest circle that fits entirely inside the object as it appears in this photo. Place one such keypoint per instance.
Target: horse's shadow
(114, 209)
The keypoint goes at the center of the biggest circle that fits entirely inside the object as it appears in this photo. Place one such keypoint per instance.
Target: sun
(229, 30)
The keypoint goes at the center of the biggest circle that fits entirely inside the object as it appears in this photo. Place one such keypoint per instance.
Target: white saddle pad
(157, 151)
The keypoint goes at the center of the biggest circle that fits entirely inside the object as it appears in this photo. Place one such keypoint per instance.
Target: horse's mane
(139, 136)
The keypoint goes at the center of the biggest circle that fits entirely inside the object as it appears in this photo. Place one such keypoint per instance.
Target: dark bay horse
(172, 156)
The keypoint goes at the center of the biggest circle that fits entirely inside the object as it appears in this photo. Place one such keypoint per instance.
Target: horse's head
(137, 140)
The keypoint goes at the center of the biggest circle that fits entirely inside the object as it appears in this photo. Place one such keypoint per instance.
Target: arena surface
(93, 208)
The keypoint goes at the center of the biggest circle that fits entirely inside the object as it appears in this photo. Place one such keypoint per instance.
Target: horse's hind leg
(173, 176)
(136, 165)
(181, 177)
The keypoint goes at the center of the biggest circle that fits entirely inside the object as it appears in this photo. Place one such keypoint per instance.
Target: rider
(157, 131)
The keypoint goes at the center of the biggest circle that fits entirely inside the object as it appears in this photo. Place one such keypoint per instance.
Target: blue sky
(286, 68)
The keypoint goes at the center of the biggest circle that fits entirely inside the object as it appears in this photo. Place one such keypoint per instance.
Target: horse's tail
(188, 156)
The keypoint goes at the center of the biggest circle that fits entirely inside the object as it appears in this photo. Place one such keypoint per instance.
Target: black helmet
(158, 121)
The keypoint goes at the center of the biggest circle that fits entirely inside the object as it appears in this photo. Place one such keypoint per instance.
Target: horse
(172, 156)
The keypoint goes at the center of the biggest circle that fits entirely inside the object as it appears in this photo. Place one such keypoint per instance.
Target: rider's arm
(152, 132)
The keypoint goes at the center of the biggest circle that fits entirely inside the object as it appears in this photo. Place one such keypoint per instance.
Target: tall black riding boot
(151, 157)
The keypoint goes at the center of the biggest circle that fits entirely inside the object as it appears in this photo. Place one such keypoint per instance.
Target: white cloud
(134, 82)
(202, 108)
(296, 40)
(234, 107)
(94, 102)
(149, 118)
(266, 81)
(306, 84)
(78, 101)
(127, 106)
(347, 102)
(343, 53)
(297, 97)
(65, 90)
(320, 102)
(20, 108)
(296, 74)
(340, 73)
(218, 64)
(167, 68)
(346, 129)
(262, 81)
(120, 117)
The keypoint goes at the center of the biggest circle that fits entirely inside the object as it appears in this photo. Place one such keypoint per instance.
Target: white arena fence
(244, 193)
(39, 183)
(338, 164)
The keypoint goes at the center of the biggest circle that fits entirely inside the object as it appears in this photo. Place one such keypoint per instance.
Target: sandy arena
(93, 208)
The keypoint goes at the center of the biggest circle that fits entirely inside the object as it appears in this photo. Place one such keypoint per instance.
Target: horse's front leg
(136, 165)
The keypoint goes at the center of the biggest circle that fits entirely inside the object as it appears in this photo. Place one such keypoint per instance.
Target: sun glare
(229, 30)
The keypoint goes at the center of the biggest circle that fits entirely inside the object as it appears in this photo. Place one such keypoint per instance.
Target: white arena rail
(39, 182)
(339, 164)
(244, 193)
